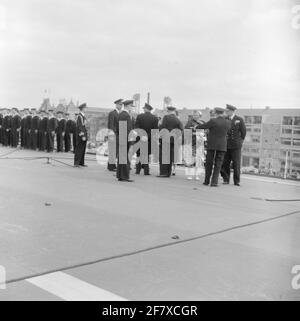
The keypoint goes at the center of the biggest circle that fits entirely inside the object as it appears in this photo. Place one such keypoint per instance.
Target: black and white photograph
(149, 152)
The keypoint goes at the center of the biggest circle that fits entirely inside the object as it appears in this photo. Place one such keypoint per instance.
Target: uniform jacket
(6, 122)
(69, 126)
(35, 123)
(124, 116)
(81, 126)
(43, 125)
(113, 118)
(52, 125)
(16, 122)
(217, 136)
(61, 126)
(236, 133)
(27, 123)
(146, 121)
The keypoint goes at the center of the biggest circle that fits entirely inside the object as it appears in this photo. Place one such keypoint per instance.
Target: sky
(201, 53)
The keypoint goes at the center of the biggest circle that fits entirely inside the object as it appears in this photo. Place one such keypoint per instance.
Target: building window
(286, 141)
(257, 130)
(257, 119)
(255, 139)
(287, 121)
(296, 132)
(286, 131)
(297, 121)
(296, 155)
(248, 119)
(296, 142)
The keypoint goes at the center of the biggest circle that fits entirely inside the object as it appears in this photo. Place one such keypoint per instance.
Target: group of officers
(37, 130)
(225, 136)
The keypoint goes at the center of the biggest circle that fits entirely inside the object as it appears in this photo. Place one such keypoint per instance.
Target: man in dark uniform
(146, 121)
(22, 132)
(235, 139)
(112, 125)
(35, 119)
(42, 131)
(74, 133)
(216, 146)
(1, 126)
(15, 127)
(123, 166)
(82, 137)
(60, 131)
(7, 128)
(68, 132)
(169, 122)
(27, 127)
(51, 129)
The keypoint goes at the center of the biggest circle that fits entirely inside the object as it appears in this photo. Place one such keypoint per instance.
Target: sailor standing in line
(123, 167)
(81, 137)
(235, 139)
(43, 125)
(27, 126)
(216, 146)
(74, 132)
(51, 129)
(15, 127)
(113, 118)
(1, 124)
(60, 131)
(68, 133)
(34, 129)
(7, 128)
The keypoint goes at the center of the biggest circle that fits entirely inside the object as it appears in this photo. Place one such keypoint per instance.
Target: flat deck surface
(69, 233)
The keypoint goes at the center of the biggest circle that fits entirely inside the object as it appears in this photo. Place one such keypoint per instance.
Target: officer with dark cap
(146, 121)
(42, 131)
(82, 137)
(216, 146)
(60, 131)
(112, 125)
(235, 139)
(51, 130)
(34, 129)
(170, 122)
(15, 127)
(123, 165)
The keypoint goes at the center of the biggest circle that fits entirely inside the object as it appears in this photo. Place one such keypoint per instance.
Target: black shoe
(237, 184)
(225, 183)
(206, 184)
(125, 180)
(214, 185)
(162, 176)
(147, 174)
(137, 173)
(83, 165)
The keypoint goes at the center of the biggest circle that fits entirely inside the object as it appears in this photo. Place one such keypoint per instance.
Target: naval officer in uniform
(146, 121)
(113, 118)
(235, 139)
(216, 146)
(123, 166)
(81, 130)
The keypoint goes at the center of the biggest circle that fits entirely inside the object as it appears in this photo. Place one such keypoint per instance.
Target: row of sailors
(37, 130)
